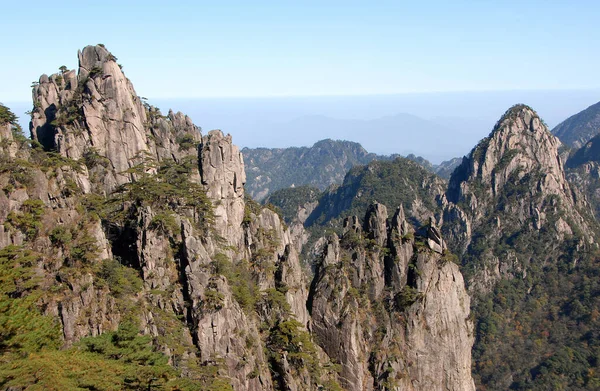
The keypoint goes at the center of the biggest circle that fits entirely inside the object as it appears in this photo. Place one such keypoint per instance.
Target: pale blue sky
(281, 48)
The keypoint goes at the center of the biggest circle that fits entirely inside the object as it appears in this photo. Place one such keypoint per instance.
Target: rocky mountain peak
(92, 57)
(97, 112)
(511, 185)
(136, 224)
(375, 223)
(519, 144)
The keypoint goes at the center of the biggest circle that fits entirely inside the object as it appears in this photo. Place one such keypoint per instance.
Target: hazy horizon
(437, 126)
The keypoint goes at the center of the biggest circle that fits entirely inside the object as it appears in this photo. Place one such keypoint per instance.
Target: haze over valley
(437, 126)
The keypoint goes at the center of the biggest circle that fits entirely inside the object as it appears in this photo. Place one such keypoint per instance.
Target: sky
(200, 49)
(264, 71)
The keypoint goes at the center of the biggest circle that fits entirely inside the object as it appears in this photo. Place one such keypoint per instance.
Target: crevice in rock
(188, 303)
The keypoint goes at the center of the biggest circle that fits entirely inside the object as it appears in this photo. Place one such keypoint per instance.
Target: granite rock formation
(135, 218)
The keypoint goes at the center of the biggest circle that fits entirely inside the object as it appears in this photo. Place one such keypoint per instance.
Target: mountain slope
(583, 172)
(392, 183)
(322, 165)
(578, 129)
(528, 246)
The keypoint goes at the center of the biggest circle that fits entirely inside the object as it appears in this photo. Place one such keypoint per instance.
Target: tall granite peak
(519, 143)
(97, 112)
(512, 182)
(93, 57)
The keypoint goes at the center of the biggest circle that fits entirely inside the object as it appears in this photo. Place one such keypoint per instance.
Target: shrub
(29, 219)
(85, 248)
(61, 236)
(96, 71)
(7, 116)
(121, 280)
(186, 142)
(92, 158)
(290, 337)
(244, 289)
(213, 300)
(164, 223)
(407, 297)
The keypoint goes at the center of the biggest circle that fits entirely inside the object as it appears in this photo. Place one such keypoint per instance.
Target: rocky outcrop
(133, 218)
(512, 183)
(381, 299)
(8, 145)
(222, 172)
(95, 114)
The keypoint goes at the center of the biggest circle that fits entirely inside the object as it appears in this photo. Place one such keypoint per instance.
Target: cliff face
(382, 298)
(131, 220)
(96, 112)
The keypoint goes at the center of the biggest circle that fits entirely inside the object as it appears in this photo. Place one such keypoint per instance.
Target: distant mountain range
(403, 134)
(580, 128)
(322, 165)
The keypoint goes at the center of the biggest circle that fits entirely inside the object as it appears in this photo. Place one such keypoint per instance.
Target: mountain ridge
(321, 165)
(579, 128)
(135, 261)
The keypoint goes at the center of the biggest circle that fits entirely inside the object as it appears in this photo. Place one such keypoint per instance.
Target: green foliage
(407, 297)
(206, 376)
(7, 116)
(277, 300)
(288, 200)
(164, 222)
(121, 280)
(92, 158)
(332, 385)
(60, 236)
(23, 329)
(250, 207)
(186, 142)
(391, 183)
(29, 219)
(290, 337)
(213, 300)
(96, 71)
(170, 188)
(84, 248)
(48, 161)
(20, 172)
(121, 360)
(534, 331)
(244, 288)
(506, 159)
(447, 256)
